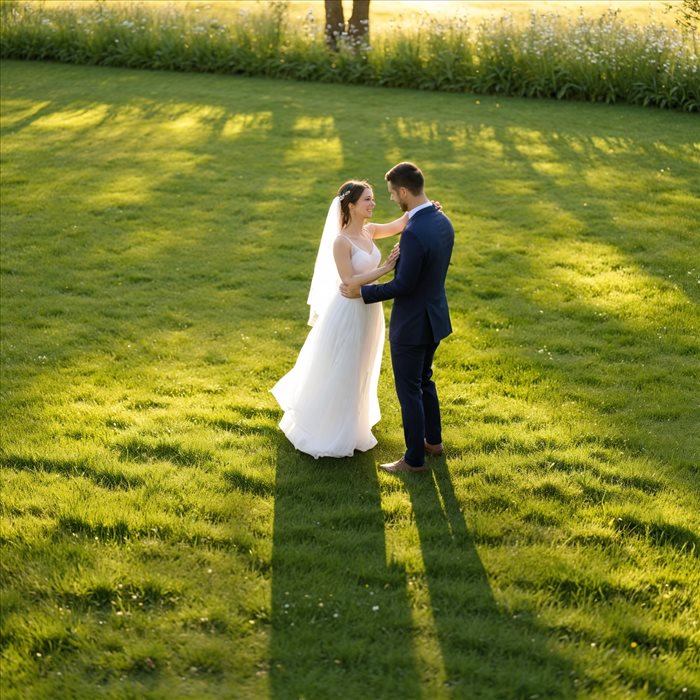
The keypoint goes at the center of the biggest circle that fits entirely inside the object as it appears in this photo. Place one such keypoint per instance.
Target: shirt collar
(418, 208)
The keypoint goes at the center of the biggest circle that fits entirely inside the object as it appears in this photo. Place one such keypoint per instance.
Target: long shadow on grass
(628, 339)
(341, 622)
(486, 652)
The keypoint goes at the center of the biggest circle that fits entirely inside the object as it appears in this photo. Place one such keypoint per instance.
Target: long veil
(325, 281)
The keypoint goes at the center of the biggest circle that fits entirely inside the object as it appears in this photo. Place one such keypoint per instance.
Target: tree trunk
(358, 27)
(335, 22)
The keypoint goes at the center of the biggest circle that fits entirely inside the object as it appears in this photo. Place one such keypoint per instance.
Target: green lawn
(161, 539)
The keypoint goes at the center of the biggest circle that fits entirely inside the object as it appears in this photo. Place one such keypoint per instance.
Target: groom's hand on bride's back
(350, 291)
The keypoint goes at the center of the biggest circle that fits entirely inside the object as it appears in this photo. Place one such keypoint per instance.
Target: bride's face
(364, 205)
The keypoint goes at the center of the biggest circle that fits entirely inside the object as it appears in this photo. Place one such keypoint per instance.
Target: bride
(329, 398)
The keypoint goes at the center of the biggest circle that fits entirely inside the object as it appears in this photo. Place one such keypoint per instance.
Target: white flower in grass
(375, 608)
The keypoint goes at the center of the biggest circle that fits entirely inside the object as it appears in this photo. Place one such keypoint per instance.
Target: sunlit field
(160, 537)
(605, 57)
(384, 12)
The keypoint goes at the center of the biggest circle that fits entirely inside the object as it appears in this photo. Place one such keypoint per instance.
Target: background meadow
(594, 55)
(386, 12)
(162, 539)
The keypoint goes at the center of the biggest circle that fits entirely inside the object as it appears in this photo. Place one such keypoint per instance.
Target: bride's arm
(342, 253)
(390, 229)
(394, 227)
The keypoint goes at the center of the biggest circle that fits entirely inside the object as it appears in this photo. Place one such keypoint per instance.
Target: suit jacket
(420, 314)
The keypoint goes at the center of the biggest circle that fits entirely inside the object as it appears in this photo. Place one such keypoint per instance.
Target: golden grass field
(385, 11)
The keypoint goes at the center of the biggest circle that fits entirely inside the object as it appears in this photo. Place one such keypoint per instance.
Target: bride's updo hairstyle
(348, 193)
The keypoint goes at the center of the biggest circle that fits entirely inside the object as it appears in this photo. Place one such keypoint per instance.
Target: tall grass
(604, 59)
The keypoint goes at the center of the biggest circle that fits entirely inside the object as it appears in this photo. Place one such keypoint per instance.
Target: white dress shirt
(418, 208)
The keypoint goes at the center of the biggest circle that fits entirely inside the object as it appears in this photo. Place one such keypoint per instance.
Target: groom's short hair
(406, 175)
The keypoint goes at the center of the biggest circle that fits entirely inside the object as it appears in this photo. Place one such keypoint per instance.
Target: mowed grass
(160, 536)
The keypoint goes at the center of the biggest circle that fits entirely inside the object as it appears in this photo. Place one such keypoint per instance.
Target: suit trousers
(420, 409)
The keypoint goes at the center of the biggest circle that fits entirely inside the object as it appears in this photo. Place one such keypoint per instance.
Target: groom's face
(398, 195)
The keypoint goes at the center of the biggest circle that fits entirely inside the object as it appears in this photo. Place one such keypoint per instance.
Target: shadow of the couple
(487, 651)
(345, 618)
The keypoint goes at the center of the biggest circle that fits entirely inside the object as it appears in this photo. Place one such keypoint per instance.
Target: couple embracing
(329, 398)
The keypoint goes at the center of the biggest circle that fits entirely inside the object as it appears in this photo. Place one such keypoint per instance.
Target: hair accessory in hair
(344, 195)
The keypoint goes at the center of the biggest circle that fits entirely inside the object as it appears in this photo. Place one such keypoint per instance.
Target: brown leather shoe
(433, 450)
(401, 465)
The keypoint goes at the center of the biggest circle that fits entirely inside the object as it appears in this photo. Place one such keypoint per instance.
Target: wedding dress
(329, 398)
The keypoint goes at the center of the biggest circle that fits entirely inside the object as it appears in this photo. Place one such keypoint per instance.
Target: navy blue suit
(420, 319)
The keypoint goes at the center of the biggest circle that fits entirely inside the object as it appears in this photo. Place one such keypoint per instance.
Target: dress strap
(352, 243)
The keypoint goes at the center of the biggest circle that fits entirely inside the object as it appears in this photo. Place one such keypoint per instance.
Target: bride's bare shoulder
(341, 242)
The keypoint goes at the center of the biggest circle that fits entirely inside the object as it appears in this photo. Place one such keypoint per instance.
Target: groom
(420, 318)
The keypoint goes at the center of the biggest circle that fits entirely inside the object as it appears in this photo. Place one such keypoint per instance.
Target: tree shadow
(487, 651)
(341, 622)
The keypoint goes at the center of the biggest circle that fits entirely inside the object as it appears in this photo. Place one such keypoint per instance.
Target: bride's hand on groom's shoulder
(436, 204)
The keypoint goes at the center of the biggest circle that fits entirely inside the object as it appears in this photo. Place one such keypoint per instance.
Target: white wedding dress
(329, 398)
